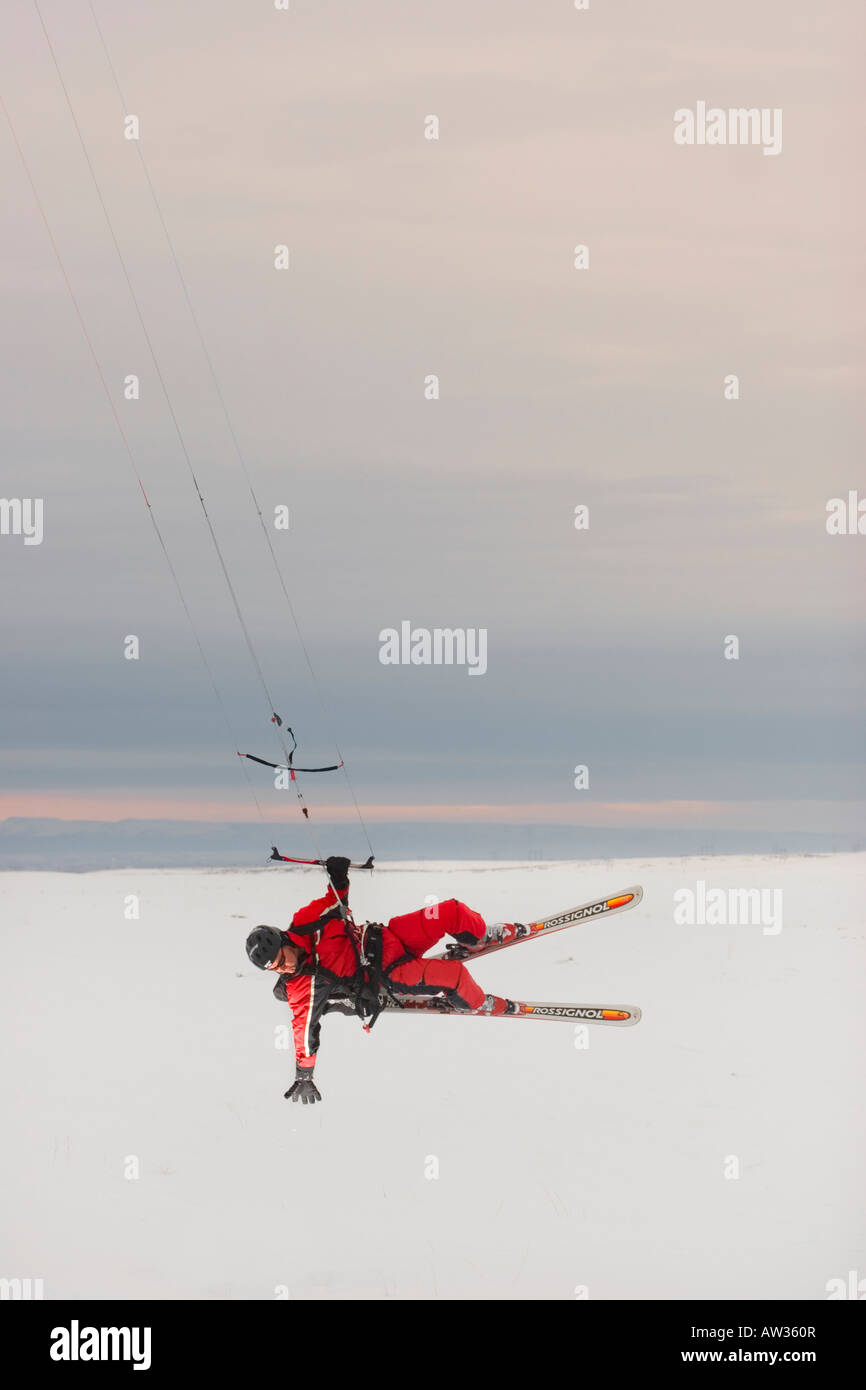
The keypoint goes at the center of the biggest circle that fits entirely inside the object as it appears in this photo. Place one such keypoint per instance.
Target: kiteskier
(76, 1343)
(327, 963)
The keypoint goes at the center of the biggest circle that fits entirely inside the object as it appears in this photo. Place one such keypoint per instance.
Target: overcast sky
(558, 387)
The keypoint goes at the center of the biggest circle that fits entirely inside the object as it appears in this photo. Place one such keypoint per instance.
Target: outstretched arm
(307, 996)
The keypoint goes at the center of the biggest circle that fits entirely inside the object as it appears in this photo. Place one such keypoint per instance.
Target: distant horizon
(44, 844)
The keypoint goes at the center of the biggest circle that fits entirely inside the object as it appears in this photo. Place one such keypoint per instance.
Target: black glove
(305, 1088)
(338, 871)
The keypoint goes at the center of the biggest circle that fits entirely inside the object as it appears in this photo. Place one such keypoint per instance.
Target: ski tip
(623, 1017)
(631, 897)
(628, 1015)
(621, 901)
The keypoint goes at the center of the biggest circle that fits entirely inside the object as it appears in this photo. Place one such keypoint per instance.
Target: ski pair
(619, 1016)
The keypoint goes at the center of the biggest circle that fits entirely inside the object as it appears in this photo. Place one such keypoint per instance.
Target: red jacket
(331, 945)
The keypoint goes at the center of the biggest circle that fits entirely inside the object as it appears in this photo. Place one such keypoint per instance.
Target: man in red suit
(324, 959)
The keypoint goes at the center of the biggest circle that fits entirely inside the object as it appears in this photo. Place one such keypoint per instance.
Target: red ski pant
(416, 932)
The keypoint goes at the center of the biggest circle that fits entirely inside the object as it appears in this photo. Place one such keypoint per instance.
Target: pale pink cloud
(742, 815)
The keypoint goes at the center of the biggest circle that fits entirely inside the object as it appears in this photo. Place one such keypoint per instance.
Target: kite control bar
(287, 859)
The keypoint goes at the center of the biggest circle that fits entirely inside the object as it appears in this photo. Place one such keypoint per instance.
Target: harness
(378, 975)
(369, 984)
(366, 988)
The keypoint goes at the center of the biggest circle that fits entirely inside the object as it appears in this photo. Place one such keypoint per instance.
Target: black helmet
(263, 946)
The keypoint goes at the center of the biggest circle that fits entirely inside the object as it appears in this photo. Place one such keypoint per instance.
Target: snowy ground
(559, 1167)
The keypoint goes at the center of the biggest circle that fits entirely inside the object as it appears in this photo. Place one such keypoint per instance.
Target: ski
(602, 907)
(621, 1017)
